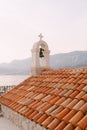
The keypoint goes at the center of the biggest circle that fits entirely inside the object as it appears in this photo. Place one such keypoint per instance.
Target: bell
(41, 53)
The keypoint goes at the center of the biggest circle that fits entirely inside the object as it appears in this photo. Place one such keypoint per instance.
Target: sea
(7, 80)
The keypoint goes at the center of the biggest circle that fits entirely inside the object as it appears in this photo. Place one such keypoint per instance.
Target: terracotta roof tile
(24, 110)
(30, 111)
(76, 118)
(62, 113)
(58, 91)
(42, 118)
(46, 107)
(66, 102)
(69, 127)
(43, 105)
(85, 88)
(69, 115)
(79, 96)
(52, 108)
(72, 103)
(53, 124)
(56, 99)
(79, 104)
(85, 81)
(60, 126)
(84, 108)
(68, 93)
(81, 86)
(62, 99)
(78, 128)
(71, 80)
(63, 92)
(57, 110)
(47, 121)
(30, 116)
(83, 122)
(85, 97)
(75, 93)
(37, 116)
(80, 81)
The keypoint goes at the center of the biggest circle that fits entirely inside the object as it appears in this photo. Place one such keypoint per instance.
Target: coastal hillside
(72, 59)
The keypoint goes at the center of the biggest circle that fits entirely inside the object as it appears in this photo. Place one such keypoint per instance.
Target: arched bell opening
(42, 55)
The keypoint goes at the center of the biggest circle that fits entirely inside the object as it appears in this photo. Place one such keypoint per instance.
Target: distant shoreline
(6, 80)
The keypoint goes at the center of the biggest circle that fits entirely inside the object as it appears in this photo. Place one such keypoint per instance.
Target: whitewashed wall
(20, 121)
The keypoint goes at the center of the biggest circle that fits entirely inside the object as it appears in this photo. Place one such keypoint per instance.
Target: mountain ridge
(61, 60)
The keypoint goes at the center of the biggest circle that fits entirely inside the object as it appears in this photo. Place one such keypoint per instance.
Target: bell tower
(40, 57)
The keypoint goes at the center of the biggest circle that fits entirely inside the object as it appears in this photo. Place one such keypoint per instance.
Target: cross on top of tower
(41, 36)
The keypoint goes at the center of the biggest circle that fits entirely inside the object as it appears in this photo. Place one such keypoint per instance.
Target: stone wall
(20, 121)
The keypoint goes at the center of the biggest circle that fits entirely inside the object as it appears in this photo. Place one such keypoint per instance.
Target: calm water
(12, 79)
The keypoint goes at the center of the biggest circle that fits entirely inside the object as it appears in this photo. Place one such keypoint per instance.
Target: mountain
(16, 67)
(72, 59)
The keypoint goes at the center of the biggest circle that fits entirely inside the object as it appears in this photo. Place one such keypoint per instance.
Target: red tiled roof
(56, 99)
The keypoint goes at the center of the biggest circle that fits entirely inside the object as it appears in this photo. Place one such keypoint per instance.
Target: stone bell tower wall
(38, 63)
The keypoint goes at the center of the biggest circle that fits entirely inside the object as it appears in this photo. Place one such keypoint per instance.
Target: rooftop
(56, 99)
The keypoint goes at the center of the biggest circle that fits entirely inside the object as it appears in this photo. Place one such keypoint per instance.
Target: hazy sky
(62, 22)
